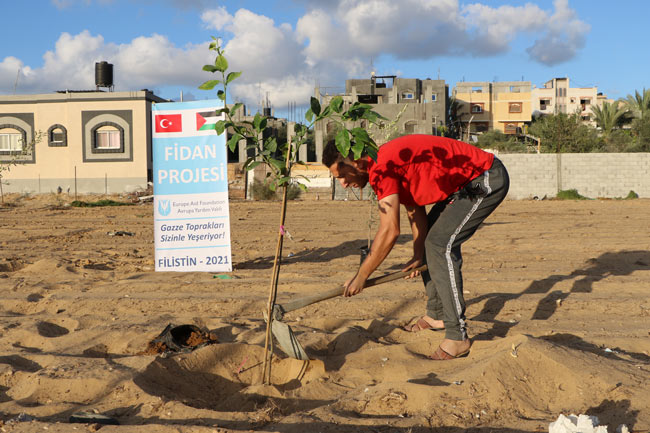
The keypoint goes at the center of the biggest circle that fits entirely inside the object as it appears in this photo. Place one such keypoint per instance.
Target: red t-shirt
(424, 169)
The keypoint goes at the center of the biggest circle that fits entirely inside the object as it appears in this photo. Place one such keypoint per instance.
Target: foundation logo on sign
(164, 207)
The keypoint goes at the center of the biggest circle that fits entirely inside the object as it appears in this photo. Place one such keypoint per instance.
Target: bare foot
(425, 322)
(455, 347)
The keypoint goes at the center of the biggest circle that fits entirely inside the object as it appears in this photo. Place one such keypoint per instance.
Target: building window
(57, 136)
(407, 95)
(107, 137)
(476, 108)
(10, 142)
(410, 127)
(477, 89)
(514, 107)
(12, 139)
(544, 103)
(481, 127)
(434, 97)
(510, 128)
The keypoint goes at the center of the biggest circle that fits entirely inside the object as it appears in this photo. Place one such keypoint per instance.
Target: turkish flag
(169, 123)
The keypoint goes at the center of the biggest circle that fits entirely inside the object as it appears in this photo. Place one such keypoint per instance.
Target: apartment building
(483, 106)
(557, 96)
(417, 106)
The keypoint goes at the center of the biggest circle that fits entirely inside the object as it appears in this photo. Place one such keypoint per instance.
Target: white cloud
(334, 40)
(564, 37)
(216, 18)
(145, 62)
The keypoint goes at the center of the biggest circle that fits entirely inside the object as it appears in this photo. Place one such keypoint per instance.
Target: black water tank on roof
(103, 74)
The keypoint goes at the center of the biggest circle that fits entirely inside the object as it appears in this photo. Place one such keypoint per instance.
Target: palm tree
(639, 103)
(609, 117)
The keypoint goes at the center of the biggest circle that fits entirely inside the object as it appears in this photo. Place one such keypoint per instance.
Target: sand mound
(224, 377)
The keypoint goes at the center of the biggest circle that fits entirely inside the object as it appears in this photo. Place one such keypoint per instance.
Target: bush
(497, 140)
(261, 191)
(631, 195)
(294, 191)
(98, 203)
(570, 194)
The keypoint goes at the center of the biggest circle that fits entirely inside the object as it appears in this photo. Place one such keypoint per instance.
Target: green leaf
(372, 152)
(325, 113)
(221, 95)
(220, 127)
(233, 142)
(231, 76)
(271, 144)
(337, 104)
(315, 106)
(357, 149)
(209, 85)
(277, 164)
(309, 115)
(257, 120)
(236, 107)
(209, 68)
(221, 63)
(342, 141)
(360, 134)
(251, 164)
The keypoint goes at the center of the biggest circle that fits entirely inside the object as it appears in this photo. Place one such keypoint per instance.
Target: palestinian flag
(206, 121)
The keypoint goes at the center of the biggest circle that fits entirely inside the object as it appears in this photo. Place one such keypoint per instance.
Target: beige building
(416, 106)
(483, 106)
(557, 96)
(90, 141)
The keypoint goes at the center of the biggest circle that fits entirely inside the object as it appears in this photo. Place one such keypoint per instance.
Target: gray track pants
(451, 223)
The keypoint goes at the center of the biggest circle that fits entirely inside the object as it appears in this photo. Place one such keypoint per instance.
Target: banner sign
(190, 166)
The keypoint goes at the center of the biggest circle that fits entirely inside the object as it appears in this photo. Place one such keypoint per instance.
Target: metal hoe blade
(287, 340)
(283, 333)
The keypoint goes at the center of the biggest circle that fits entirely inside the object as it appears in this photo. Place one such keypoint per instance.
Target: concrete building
(90, 141)
(483, 106)
(557, 96)
(420, 105)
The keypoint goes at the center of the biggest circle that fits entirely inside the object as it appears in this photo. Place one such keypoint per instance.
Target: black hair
(331, 154)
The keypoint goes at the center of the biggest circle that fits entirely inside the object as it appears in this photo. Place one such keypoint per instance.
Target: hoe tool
(284, 334)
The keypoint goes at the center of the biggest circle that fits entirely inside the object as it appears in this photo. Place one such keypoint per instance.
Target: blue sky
(285, 47)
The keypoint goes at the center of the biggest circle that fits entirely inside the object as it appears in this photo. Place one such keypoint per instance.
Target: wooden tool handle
(296, 304)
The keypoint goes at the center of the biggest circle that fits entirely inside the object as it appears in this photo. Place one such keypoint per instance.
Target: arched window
(107, 137)
(57, 136)
(410, 126)
(12, 139)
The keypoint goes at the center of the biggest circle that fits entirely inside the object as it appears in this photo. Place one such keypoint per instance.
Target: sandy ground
(558, 309)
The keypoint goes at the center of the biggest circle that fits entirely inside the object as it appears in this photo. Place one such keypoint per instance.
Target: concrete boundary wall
(594, 175)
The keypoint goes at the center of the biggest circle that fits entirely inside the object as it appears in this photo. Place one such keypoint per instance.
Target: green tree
(638, 104)
(453, 119)
(497, 140)
(609, 117)
(641, 130)
(564, 133)
(279, 159)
